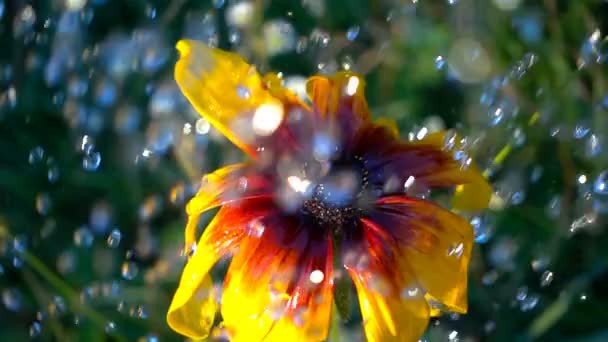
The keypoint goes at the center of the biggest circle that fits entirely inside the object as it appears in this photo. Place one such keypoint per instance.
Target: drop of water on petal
(255, 228)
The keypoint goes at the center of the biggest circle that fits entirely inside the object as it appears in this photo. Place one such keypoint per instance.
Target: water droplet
(105, 93)
(591, 51)
(114, 238)
(593, 146)
(138, 311)
(52, 174)
(540, 263)
(240, 14)
(584, 221)
(483, 227)
(17, 261)
(154, 338)
(243, 92)
(279, 37)
(456, 250)
(43, 203)
(129, 270)
(234, 36)
(150, 207)
(77, 87)
(267, 118)
(502, 253)
(91, 161)
(553, 207)
(110, 327)
(439, 62)
(411, 292)
(489, 327)
(87, 144)
(35, 329)
(600, 186)
(66, 262)
(24, 21)
(518, 197)
(581, 130)
(324, 146)
(546, 278)
(352, 33)
(529, 303)
(256, 228)
(468, 61)
(83, 237)
(316, 276)
(12, 298)
(19, 244)
(202, 126)
(489, 277)
(36, 155)
(521, 293)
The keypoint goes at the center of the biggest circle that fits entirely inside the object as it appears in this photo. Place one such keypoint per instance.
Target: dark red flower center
(336, 199)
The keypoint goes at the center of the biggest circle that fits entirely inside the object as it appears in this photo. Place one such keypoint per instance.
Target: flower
(329, 198)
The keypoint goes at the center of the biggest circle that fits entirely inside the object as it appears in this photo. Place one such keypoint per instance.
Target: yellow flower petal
(393, 307)
(193, 307)
(473, 191)
(389, 319)
(436, 244)
(231, 183)
(340, 94)
(194, 304)
(223, 88)
(268, 294)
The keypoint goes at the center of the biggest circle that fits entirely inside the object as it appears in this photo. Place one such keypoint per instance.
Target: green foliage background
(403, 82)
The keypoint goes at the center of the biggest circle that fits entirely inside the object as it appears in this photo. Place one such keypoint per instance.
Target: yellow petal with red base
(473, 192)
(194, 304)
(223, 88)
(269, 294)
(342, 94)
(427, 164)
(436, 244)
(232, 183)
(393, 307)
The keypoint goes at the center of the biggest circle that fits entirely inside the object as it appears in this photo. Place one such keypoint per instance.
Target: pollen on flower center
(334, 200)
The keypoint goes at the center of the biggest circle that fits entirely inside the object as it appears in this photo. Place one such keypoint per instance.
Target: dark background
(96, 163)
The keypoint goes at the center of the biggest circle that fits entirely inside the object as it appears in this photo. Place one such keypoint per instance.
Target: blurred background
(99, 151)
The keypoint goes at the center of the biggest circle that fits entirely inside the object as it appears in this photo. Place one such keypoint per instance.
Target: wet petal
(339, 101)
(435, 242)
(194, 304)
(229, 184)
(473, 191)
(427, 162)
(393, 307)
(224, 89)
(269, 291)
